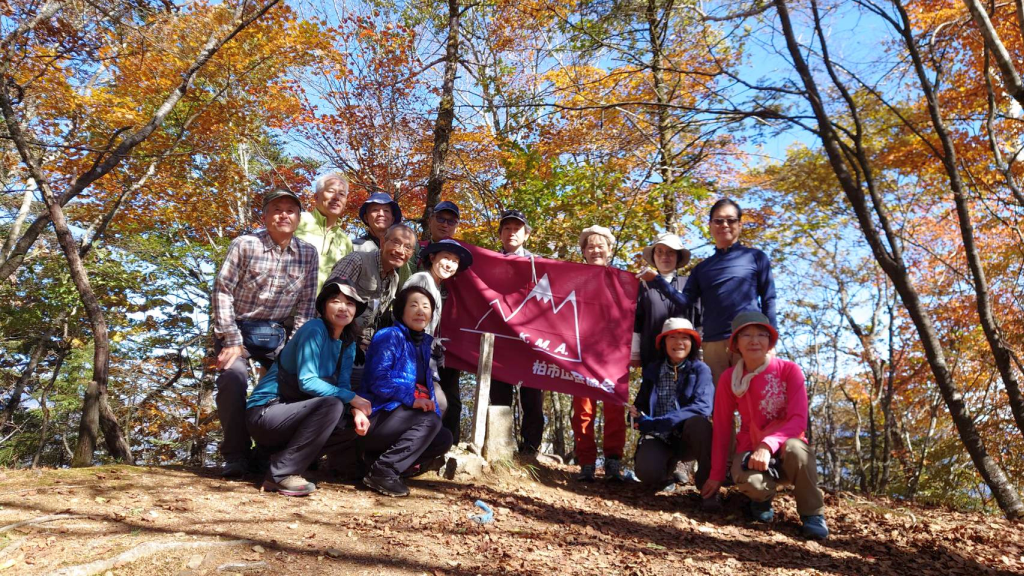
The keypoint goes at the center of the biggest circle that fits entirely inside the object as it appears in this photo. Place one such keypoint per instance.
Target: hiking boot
(711, 505)
(682, 473)
(762, 511)
(814, 527)
(613, 469)
(234, 469)
(432, 465)
(587, 472)
(386, 485)
(289, 486)
(668, 488)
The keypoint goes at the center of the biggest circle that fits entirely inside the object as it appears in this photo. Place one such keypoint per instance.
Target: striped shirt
(259, 280)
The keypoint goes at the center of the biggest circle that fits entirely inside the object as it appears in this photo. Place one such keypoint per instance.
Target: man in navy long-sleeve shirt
(734, 279)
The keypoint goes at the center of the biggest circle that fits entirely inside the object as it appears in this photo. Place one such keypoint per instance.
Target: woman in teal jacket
(298, 409)
(398, 381)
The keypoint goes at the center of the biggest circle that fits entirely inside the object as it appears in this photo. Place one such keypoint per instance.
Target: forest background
(873, 145)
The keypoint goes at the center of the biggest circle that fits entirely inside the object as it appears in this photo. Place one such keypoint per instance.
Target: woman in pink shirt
(771, 448)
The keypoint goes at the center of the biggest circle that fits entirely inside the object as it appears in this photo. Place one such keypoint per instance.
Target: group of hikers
(353, 374)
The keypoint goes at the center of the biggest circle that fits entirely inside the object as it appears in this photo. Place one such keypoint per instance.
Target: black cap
(514, 215)
(280, 193)
(447, 245)
(446, 205)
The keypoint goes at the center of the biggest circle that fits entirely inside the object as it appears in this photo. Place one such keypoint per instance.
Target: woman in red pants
(596, 244)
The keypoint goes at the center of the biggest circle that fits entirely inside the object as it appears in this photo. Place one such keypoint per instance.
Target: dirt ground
(124, 520)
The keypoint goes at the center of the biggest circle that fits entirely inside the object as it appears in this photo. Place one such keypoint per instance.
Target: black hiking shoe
(234, 469)
(386, 485)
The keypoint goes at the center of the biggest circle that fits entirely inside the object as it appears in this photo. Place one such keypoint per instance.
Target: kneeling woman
(771, 448)
(673, 410)
(297, 410)
(406, 420)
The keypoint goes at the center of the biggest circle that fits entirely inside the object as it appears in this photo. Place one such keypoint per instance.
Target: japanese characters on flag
(557, 325)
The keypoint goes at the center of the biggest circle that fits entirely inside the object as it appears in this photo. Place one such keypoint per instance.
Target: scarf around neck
(741, 382)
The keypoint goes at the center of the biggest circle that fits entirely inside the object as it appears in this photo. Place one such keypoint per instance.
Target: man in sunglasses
(443, 222)
(734, 279)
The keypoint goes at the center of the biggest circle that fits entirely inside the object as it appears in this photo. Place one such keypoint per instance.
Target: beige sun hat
(673, 325)
(600, 231)
(673, 242)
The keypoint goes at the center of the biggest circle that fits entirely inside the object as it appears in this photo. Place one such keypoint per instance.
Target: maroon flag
(557, 325)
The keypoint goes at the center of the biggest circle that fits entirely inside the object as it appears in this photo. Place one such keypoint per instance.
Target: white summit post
(483, 391)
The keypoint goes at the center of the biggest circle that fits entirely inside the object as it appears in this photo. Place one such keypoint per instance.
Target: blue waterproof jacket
(389, 379)
(695, 394)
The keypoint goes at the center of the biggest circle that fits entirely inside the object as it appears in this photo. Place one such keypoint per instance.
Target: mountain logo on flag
(543, 315)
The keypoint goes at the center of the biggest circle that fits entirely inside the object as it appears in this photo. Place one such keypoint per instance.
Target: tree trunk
(657, 21)
(12, 234)
(96, 390)
(861, 471)
(44, 430)
(950, 161)
(893, 265)
(35, 356)
(445, 113)
(1011, 78)
(915, 480)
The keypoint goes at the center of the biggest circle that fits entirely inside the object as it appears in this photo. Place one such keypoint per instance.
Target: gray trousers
(402, 438)
(298, 433)
(656, 459)
(232, 388)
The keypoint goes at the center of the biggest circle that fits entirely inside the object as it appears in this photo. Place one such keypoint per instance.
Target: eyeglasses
(444, 220)
(395, 243)
(725, 221)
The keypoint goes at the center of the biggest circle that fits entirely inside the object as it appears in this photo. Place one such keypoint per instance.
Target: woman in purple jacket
(405, 422)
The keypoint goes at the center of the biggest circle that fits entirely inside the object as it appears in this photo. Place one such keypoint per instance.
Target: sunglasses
(725, 221)
(446, 220)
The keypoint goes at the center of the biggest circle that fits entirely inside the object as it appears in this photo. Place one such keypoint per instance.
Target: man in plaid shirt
(268, 275)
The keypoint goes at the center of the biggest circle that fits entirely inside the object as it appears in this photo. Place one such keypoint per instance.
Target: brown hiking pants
(798, 469)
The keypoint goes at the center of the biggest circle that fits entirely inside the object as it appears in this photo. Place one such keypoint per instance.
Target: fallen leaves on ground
(544, 523)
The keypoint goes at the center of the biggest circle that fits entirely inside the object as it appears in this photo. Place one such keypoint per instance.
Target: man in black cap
(443, 221)
(514, 231)
(267, 276)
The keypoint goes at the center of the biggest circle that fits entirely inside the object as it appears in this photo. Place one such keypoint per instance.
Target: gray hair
(400, 226)
(322, 180)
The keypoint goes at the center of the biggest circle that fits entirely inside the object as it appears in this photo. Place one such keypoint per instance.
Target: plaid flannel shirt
(259, 280)
(665, 390)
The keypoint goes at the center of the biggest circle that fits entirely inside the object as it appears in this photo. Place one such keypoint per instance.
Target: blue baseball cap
(446, 205)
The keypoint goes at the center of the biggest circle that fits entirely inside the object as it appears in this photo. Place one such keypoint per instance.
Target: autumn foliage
(630, 115)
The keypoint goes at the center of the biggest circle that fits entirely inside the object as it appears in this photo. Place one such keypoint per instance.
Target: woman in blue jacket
(405, 422)
(672, 409)
(297, 410)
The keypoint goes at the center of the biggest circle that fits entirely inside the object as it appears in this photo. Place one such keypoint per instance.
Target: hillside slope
(176, 521)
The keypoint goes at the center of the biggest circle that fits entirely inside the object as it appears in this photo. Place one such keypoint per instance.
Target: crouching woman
(672, 409)
(298, 409)
(771, 448)
(405, 418)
